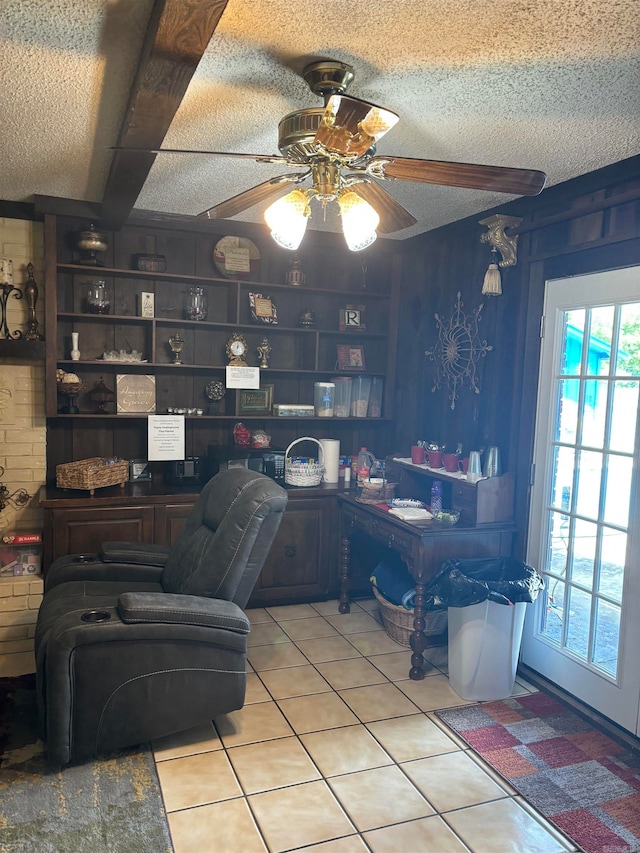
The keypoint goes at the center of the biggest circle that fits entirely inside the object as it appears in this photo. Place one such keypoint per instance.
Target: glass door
(583, 632)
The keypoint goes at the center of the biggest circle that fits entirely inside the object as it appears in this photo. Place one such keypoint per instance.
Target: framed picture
(352, 319)
(350, 357)
(256, 401)
(147, 301)
(262, 309)
(135, 393)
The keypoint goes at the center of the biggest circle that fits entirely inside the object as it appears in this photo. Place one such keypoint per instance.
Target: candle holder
(31, 297)
(176, 342)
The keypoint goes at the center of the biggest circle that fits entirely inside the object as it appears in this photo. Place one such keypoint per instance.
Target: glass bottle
(436, 497)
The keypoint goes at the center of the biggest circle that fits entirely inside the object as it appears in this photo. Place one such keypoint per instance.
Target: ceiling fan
(335, 146)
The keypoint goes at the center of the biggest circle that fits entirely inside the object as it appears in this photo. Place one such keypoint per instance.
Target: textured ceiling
(544, 84)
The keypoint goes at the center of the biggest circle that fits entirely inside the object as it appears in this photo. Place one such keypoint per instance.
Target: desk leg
(418, 638)
(345, 556)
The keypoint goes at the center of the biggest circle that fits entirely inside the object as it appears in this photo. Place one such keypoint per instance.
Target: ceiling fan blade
(237, 203)
(350, 127)
(501, 179)
(259, 158)
(393, 216)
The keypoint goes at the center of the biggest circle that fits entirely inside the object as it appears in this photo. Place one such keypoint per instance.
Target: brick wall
(22, 448)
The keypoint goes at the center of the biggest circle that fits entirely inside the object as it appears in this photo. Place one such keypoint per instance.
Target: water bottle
(436, 497)
(363, 465)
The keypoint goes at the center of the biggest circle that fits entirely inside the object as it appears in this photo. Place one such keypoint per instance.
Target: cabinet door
(83, 530)
(169, 523)
(299, 565)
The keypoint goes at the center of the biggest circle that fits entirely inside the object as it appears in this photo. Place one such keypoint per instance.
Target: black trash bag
(505, 580)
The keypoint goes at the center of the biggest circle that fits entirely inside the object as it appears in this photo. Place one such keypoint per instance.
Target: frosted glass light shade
(287, 218)
(359, 221)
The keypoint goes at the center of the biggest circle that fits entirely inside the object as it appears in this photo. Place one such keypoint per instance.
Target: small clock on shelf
(237, 350)
(215, 391)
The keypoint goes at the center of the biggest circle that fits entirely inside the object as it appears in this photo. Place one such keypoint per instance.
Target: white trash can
(484, 644)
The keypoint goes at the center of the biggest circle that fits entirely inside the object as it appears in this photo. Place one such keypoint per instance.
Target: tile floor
(336, 750)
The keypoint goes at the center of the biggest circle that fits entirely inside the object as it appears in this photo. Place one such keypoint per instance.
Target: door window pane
(624, 416)
(594, 411)
(578, 619)
(584, 553)
(562, 477)
(573, 340)
(606, 638)
(559, 539)
(567, 421)
(589, 475)
(628, 361)
(553, 613)
(618, 490)
(599, 353)
(612, 563)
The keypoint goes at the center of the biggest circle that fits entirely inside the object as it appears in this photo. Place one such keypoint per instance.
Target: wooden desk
(423, 547)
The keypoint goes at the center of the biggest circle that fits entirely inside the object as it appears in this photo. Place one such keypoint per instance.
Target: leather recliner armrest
(170, 608)
(136, 553)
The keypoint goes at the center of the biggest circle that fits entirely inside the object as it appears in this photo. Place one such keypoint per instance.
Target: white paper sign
(165, 437)
(243, 377)
(237, 260)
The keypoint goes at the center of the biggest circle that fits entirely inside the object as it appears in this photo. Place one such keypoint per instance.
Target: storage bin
(374, 409)
(360, 391)
(342, 407)
(484, 644)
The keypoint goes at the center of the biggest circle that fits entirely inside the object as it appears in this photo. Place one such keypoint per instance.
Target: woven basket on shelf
(375, 493)
(92, 474)
(398, 621)
(303, 473)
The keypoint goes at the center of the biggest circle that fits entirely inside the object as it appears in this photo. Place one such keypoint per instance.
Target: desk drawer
(356, 521)
(392, 536)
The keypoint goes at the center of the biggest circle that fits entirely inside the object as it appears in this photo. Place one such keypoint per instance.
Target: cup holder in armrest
(96, 616)
(84, 558)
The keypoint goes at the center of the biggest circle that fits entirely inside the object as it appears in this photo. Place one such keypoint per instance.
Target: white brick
(16, 602)
(10, 648)
(18, 664)
(17, 617)
(21, 587)
(36, 585)
(16, 632)
(34, 602)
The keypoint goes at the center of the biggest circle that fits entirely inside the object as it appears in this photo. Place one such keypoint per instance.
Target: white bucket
(484, 644)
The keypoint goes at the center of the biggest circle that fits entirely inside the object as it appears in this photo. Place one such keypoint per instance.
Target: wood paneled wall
(584, 225)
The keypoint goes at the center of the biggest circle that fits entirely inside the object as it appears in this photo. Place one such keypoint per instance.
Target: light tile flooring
(336, 750)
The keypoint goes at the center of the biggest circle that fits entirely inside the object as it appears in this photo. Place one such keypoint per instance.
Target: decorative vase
(75, 352)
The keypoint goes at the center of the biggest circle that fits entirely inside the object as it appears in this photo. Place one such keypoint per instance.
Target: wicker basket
(398, 621)
(375, 493)
(303, 473)
(92, 474)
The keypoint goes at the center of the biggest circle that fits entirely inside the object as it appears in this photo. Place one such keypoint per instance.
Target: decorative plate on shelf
(237, 257)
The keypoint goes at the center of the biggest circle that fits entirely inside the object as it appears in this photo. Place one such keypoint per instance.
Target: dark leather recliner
(142, 641)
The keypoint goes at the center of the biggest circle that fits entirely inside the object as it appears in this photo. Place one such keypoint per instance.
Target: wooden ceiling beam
(177, 36)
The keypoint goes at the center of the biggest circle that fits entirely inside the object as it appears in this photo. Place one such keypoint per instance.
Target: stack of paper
(409, 513)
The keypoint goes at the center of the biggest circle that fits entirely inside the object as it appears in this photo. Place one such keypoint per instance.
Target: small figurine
(307, 319)
(264, 351)
(260, 439)
(241, 435)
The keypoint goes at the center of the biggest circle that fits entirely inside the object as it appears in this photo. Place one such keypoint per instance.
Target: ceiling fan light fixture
(359, 221)
(350, 127)
(287, 218)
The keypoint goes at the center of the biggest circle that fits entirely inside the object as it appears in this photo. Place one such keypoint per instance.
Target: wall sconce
(18, 499)
(506, 244)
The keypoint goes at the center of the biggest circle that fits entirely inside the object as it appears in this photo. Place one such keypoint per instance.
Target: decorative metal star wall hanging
(457, 351)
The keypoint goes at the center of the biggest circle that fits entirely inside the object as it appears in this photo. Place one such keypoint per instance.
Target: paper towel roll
(331, 456)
